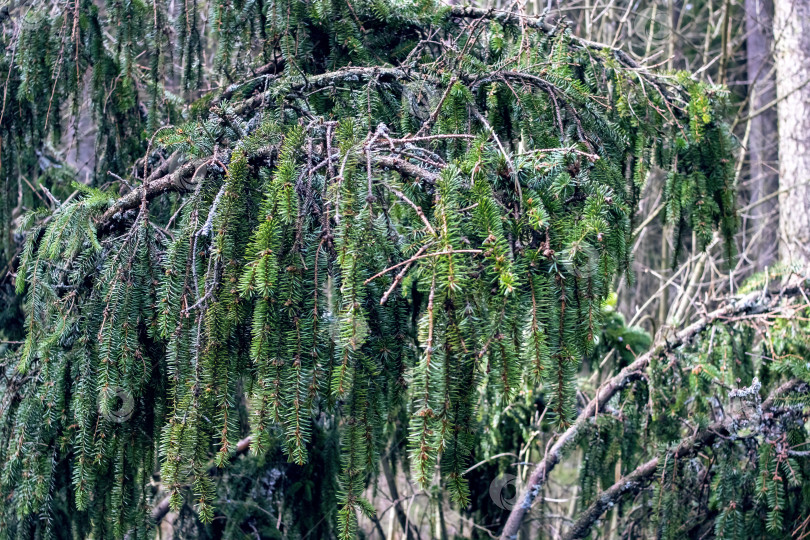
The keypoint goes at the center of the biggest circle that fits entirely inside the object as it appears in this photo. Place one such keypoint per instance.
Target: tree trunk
(792, 36)
(391, 480)
(762, 140)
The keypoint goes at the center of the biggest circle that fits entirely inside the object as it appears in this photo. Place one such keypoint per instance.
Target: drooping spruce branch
(187, 176)
(398, 223)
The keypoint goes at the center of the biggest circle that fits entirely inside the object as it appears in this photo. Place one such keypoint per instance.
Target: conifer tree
(337, 225)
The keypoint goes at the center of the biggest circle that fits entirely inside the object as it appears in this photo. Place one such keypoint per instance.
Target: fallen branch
(755, 302)
(641, 476)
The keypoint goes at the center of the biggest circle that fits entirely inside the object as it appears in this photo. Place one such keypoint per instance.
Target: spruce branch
(399, 277)
(162, 508)
(639, 478)
(413, 205)
(287, 202)
(416, 258)
(324, 80)
(268, 71)
(170, 182)
(634, 481)
(183, 179)
(753, 303)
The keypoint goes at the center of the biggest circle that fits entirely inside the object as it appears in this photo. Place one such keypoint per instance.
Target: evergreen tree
(341, 225)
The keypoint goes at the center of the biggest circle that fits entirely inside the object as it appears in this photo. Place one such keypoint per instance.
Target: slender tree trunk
(391, 480)
(792, 36)
(762, 140)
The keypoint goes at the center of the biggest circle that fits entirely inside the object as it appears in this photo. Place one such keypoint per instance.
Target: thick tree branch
(632, 483)
(349, 74)
(267, 70)
(405, 168)
(181, 181)
(755, 302)
(170, 182)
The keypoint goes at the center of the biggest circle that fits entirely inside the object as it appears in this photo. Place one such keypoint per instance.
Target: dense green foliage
(404, 218)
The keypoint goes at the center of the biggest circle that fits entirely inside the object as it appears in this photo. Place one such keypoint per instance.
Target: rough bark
(762, 139)
(792, 36)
